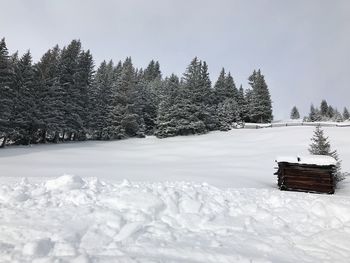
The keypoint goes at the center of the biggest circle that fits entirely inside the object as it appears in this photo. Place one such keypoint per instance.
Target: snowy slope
(238, 158)
(84, 220)
(166, 213)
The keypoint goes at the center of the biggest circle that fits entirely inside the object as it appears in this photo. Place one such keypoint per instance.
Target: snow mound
(94, 221)
(65, 182)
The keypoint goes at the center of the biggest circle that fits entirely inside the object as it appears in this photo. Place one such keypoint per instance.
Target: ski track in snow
(73, 219)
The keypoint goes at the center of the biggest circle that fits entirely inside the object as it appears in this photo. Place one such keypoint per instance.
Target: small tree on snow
(320, 145)
(294, 114)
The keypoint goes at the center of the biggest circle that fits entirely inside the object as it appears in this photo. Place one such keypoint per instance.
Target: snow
(238, 158)
(209, 198)
(320, 160)
(169, 222)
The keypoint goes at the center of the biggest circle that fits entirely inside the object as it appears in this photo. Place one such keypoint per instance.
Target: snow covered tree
(330, 112)
(261, 105)
(152, 71)
(49, 95)
(196, 91)
(242, 104)
(69, 68)
(227, 114)
(177, 114)
(346, 115)
(337, 116)
(324, 108)
(83, 81)
(294, 114)
(314, 114)
(24, 117)
(105, 115)
(7, 93)
(320, 145)
(248, 101)
(225, 87)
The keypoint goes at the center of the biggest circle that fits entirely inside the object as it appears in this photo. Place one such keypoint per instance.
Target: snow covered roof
(322, 160)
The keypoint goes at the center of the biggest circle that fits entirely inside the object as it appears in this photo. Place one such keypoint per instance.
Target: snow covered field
(164, 211)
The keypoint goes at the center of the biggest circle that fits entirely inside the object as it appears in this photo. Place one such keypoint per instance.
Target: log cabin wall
(306, 178)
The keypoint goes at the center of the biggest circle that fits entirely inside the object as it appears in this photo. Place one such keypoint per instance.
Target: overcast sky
(301, 46)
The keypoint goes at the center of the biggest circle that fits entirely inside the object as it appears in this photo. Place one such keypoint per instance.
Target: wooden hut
(314, 173)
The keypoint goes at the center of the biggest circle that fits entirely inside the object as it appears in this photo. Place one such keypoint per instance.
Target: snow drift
(73, 219)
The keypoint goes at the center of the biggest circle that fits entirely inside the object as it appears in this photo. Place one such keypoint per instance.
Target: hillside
(210, 198)
(237, 158)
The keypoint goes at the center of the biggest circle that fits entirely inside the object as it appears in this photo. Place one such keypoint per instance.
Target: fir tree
(337, 116)
(49, 95)
(7, 93)
(320, 145)
(225, 87)
(249, 97)
(104, 118)
(324, 108)
(24, 117)
(261, 105)
(152, 72)
(227, 114)
(195, 91)
(294, 114)
(83, 81)
(241, 104)
(69, 68)
(330, 112)
(346, 115)
(314, 114)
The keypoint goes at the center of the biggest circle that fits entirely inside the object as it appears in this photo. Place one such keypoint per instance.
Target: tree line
(63, 97)
(325, 112)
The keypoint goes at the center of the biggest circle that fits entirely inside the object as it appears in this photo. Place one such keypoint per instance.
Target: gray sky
(301, 46)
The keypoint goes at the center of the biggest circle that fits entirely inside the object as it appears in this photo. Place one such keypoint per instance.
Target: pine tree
(337, 116)
(346, 115)
(225, 88)
(167, 123)
(294, 114)
(324, 108)
(249, 97)
(83, 81)
(69, 68)
(330, 112)
(314, 114)
(7, 93)
(132, 123)
(177, 114)
(49, 95)
(227, 114)
(241, 104)
(104, 118)
(152, 72)
(261, 105)
(320, 145)
(196, 92)
(24, 117)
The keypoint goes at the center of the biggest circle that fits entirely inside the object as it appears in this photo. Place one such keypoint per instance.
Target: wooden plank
(307, 184)
(319, 188)
(308, 179)
(320, 168)
(307, 173)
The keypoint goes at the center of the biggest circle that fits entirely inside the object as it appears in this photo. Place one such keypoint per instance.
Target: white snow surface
(87, 220)
(320, 160)
(210, 198)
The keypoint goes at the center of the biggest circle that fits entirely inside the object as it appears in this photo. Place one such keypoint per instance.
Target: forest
(63, 97)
